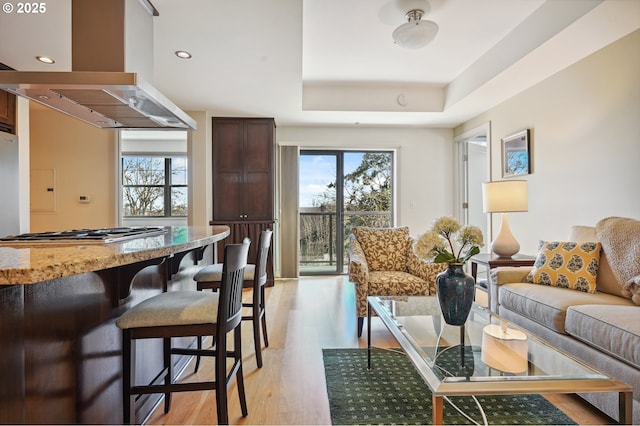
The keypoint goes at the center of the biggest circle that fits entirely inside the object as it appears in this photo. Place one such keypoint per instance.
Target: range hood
(98, 90)
(109, 100)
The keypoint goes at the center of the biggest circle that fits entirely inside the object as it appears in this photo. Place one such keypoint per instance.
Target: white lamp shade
(505, 196)
(415, 34)
(504, 349)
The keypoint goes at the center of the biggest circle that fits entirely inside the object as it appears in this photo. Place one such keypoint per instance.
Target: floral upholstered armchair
(382, 263)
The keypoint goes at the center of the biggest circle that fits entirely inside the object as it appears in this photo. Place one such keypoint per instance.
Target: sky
(317, 171)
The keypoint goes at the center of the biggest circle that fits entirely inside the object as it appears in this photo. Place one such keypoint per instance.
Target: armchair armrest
(358, 268)
(504, 275)
(425, 270)
(359, 276)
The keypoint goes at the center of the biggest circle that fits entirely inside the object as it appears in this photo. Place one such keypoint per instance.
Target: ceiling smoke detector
(415, 33)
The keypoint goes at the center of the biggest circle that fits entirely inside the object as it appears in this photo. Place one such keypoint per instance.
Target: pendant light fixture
(416, 32)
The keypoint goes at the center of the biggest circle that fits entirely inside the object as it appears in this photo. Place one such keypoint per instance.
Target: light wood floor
(303, 316)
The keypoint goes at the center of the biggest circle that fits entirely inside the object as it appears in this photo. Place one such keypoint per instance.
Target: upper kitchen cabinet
(243, 169)
(7, 112)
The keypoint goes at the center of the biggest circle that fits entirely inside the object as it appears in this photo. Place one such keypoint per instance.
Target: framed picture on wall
(516, 160)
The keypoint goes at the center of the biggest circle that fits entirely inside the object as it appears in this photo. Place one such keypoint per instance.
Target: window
(153, 178)
(154, 186)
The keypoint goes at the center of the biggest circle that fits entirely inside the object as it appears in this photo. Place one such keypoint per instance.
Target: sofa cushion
(384, 248)
(614, 331)
(566, 264)
(548, 305)
(606, 281)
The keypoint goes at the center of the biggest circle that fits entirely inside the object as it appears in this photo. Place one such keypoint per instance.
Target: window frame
(339, 266)
(167, 186)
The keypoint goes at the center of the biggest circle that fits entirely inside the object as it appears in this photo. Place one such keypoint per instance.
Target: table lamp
(505, 196)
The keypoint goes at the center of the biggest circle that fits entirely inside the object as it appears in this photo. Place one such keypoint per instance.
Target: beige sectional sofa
(601, 328)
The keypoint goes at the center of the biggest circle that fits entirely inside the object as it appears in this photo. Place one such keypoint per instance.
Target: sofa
(599, 325)
(382, 263)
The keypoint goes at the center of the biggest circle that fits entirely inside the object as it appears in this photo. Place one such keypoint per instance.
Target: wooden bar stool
(255, 277)
(190, 313)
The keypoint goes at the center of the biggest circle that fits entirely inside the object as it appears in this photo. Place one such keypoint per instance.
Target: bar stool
(255, 277)
(190, 313)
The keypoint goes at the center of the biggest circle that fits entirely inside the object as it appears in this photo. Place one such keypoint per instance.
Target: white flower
(437, 244)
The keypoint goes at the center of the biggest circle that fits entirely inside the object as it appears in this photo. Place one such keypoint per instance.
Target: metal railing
(318, 231)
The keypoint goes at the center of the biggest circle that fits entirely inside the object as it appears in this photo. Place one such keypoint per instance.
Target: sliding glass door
(340, 190)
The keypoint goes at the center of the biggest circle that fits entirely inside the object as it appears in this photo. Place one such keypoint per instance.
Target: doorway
(474, 169)
(337, 191)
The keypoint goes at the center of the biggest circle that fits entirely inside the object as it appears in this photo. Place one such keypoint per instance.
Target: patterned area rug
(393, 393)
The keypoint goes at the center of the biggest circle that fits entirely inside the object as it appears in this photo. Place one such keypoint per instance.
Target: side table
(490, 261)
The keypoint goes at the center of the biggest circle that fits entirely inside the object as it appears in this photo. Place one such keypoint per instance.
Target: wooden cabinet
(244, 180)
(7, 112)
(243, 175)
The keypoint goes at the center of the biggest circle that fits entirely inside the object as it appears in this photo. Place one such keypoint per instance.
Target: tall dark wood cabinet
(244, 180)
(7, 112)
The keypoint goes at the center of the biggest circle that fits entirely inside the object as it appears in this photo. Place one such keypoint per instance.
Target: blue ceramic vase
(455, 290)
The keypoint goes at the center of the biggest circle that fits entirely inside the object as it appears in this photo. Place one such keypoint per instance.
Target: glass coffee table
(486, 356)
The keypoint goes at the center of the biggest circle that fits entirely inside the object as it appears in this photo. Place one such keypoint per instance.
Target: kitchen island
(59, 347)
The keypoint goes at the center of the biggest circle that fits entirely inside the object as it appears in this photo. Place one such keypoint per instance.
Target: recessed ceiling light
(45, 59)
(183, 54)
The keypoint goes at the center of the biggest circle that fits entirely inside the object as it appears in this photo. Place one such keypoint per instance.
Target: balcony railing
(318, 250)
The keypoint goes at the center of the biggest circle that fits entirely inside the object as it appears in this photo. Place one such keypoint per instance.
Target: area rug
(393, 393)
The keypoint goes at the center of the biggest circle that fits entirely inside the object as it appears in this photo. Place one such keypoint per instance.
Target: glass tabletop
(486, 348)
(485, 356)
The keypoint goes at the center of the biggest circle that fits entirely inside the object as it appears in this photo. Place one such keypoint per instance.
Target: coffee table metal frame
(491, 385)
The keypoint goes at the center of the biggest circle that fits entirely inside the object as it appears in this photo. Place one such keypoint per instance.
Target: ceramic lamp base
(505, 244)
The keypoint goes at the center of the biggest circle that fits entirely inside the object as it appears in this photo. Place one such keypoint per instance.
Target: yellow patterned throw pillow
(567, 265)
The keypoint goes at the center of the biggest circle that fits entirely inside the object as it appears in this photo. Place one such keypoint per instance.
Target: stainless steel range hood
(98, 91)
(109, 100)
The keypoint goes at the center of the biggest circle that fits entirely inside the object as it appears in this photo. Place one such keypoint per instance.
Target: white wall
(424, 161)
(585, 124)
(83, 159)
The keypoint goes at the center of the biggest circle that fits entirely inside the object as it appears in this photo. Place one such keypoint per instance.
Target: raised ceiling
(333, 62)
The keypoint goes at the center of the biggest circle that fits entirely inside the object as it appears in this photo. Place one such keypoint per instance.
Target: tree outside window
(154, 186)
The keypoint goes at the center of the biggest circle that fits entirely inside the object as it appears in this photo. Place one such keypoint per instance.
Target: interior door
(474, 155)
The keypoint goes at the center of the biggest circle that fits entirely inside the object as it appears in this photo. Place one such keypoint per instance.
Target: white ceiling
(333, 62)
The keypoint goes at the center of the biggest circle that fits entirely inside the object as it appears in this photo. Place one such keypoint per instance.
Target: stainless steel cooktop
(83, 236)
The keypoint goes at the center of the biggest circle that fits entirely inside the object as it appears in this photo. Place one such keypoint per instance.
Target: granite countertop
(33, 264)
